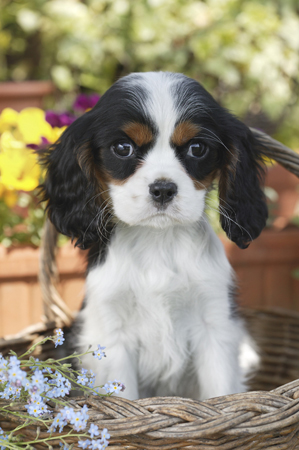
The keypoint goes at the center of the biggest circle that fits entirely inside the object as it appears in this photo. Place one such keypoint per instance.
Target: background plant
(21, 135)
(21, 215)
(245, 52)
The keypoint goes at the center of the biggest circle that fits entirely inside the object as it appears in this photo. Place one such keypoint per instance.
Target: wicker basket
(267, 417)
(259, 419)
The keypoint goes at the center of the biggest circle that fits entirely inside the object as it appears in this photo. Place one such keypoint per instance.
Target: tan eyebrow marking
(140, 133)
(183, 132)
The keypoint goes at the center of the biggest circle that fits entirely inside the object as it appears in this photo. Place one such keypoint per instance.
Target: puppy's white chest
(158, 299)
(152, 285)
(157, 296)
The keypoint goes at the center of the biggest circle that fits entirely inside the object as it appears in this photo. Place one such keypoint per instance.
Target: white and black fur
(128, 180)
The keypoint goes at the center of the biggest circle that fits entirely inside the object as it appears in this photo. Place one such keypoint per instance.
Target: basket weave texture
(254, 420)
(258, 419)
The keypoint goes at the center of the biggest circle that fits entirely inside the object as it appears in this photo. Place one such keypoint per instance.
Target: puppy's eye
(123, 149)
(197, 150)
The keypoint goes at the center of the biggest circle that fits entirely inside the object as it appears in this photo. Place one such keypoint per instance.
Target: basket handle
(55, 308)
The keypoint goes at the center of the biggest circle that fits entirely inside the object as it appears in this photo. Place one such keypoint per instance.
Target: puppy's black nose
(163, 191)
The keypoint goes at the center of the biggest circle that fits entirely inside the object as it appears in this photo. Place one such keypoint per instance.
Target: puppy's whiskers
(224, 212)
(98, 216)
(102, 226)
(95, 196)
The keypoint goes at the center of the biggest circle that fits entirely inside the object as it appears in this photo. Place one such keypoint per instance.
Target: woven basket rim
(256, 419)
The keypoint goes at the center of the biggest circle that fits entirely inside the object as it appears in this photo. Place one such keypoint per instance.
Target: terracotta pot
(286, 185)
(19, 95)
(264, 272)
(20, 294)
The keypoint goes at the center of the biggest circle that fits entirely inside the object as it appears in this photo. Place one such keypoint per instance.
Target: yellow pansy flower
(18, 165)
(33, 125)
(8, 119)
(19, 168)
(56, 133)
(8, 141)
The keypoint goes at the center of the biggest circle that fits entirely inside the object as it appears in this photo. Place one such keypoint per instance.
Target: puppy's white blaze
(160, 105)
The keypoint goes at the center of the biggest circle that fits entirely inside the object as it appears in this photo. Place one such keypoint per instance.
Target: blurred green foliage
(23, 223)
(245, 52)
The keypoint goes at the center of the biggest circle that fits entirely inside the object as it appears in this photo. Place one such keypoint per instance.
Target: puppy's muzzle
(163, 191)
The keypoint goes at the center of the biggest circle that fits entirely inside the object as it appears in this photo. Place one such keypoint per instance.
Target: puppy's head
(146, 154)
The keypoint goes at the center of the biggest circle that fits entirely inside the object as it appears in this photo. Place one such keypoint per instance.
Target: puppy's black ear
(242, 201)
(71, 188)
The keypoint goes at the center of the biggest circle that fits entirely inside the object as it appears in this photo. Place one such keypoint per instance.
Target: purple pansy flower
(59, 120)
(84, 102)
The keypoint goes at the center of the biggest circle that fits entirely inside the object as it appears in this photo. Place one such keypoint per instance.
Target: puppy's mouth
(162, 217)
(161, 209)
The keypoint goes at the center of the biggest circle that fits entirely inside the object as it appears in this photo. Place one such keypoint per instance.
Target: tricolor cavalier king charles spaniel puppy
(128, 181)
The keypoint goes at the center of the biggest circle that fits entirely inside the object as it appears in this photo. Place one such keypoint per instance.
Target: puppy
(128, 180)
